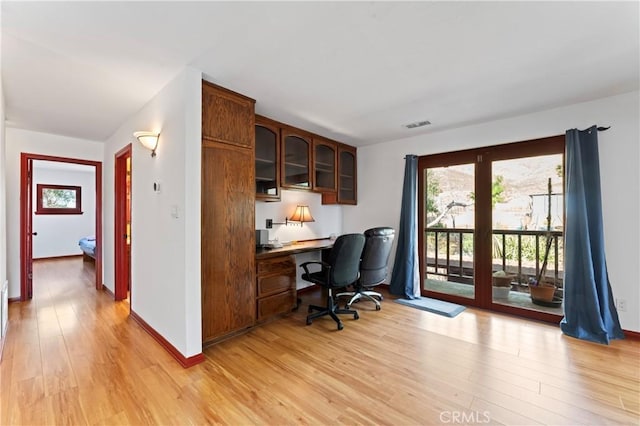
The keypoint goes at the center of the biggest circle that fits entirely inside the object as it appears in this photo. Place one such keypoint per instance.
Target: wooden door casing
(26, 290)
(122, 207)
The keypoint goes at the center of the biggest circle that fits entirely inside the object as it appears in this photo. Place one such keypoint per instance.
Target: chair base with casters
(373, 266)
(356, 296)
(340, 269)
(332, 309)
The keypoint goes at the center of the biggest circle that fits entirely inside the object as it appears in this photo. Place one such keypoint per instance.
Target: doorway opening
(26, 217)
(492, 221)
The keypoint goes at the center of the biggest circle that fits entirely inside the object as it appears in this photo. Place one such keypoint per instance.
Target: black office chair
(340, 270)
(373, 266)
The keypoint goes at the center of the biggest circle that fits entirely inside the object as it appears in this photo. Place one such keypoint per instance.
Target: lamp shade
(302, 214)
(149, 140)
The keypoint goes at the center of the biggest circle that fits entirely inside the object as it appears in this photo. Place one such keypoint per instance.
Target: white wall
(328, 220)
(165, 251)
(18, 141)
(4, 291)
(381, 169)
(3, 200)
(58, 234)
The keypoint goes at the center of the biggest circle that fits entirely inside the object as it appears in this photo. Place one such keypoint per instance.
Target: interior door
(122, 223)
(29, 234)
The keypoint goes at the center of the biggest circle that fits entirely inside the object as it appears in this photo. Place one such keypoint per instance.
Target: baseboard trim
(66, 256)
(108, 290)
(184, 361)
(633, 335)
(13, 299)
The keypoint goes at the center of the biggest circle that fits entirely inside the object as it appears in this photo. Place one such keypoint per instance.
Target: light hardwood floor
(73, 356)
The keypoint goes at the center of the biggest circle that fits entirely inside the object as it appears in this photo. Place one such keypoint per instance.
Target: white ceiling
(352, 71)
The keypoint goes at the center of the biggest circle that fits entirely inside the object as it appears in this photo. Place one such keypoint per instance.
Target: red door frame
(26, 217)
(122, 264)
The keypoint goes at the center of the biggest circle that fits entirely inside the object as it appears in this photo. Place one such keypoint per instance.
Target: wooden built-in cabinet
(291, 158)
(247, 157)
(267, 159)
(295, 156)
(228, 210)
(276, 286)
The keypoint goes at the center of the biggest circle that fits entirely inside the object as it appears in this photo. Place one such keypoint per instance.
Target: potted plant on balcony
(501, 284)
(542, 292)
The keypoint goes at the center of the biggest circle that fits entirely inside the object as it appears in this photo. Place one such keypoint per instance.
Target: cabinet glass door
(347, 177)
(295, 171)
(325, 166)
(266, 163)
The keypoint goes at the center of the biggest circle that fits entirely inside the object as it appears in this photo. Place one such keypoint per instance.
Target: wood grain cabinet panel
(227, 117)
(276, 265)
(276, 304)
(228, 243)
(276, 286)
(273, 284)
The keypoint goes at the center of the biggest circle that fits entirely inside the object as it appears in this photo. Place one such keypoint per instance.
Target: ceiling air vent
(417, 124)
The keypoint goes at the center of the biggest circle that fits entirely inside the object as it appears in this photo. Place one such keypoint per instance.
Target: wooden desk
(276, 277)
(302, 247)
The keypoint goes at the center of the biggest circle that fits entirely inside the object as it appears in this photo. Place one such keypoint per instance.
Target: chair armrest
(305, 266)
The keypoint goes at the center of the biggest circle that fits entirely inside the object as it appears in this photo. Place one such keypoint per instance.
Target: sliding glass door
(491, 223)
(449, 218)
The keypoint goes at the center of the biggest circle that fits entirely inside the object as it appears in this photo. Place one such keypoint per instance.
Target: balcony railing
(449, 253)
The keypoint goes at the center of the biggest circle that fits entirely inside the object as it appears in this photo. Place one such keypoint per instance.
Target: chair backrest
(373, 267)
(344, 259)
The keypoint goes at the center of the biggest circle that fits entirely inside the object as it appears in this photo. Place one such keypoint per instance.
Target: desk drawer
(277, 304)
(276, 283)
(275, 264)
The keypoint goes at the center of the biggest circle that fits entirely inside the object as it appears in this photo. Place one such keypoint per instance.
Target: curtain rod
(600, 129)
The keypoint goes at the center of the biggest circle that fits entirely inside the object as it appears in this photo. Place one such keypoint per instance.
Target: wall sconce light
(301, 215)
(149, 140)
